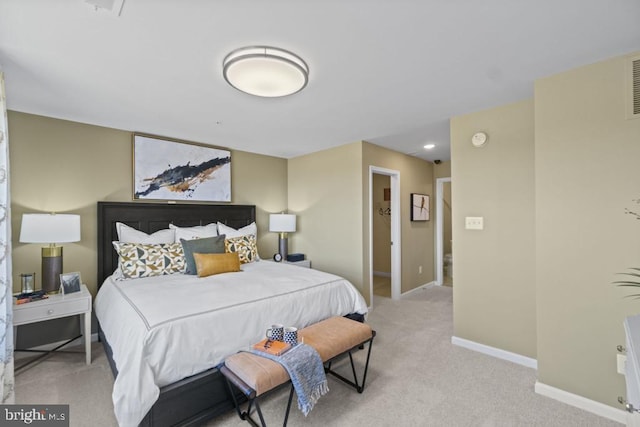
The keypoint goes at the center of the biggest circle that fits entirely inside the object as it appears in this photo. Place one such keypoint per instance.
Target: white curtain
(6, 285)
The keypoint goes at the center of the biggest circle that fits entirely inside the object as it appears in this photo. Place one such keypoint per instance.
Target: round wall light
(265, 71)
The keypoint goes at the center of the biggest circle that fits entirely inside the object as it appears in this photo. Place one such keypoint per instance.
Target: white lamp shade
(50, 228)
(282, 223)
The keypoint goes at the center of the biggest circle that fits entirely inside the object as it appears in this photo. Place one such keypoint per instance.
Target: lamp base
(51, 269)
(283, 243)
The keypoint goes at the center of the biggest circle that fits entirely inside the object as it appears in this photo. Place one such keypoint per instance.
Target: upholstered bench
(254, 375)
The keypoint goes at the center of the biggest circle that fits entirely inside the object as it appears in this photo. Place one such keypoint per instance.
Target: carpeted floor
(416, 378)
(382, 286)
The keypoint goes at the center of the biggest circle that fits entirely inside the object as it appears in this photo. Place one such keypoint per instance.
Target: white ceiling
(388, 72)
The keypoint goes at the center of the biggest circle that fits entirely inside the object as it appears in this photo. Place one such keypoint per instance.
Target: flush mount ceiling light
(265, 71)
(430, 146)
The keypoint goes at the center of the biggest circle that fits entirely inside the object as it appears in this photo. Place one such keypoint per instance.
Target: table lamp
(50, 228)
(283, 224)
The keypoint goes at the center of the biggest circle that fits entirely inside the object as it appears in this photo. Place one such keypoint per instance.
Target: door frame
(440, 229)
(396, 253)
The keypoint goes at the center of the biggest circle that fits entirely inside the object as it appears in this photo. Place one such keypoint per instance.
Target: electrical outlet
(621, 362)
(420, 270)
(474, 223)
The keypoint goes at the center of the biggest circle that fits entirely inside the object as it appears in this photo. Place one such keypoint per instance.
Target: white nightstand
(55, 307)
(304, 263)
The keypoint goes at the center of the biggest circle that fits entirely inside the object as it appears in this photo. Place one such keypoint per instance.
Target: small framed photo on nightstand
(70, 283)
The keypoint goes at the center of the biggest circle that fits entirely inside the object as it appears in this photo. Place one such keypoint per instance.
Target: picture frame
(175, 170)
(70, 282)
(419, 207)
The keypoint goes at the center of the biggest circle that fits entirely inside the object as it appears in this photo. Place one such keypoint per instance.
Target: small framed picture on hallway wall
(419, 207)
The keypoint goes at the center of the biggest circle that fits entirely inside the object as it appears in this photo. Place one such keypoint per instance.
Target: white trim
(580, 402)
(425, 286)
(396, 244)
(496, 352)
(439, 228)
(382, 273)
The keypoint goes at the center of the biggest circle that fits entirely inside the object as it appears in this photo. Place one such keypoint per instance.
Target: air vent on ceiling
(633, 79)
(111, 6)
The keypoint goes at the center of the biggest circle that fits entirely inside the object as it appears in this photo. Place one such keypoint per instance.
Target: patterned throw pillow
(245, 246)
(138, 260)
(244, 231)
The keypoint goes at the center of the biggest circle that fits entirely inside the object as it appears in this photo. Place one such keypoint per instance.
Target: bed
(157, 380)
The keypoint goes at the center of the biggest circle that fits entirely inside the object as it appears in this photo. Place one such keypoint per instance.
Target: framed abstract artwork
(419, 207)
(169, 169)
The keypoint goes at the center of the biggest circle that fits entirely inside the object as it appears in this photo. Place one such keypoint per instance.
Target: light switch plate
(621, 361)
(474, 223)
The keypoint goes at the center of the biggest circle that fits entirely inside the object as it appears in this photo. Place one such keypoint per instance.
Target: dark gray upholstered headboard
(151, 217)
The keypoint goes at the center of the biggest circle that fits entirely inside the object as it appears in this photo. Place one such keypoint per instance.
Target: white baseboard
(425, 286)
(381, 273)
(583, 403)
(496, 352)
(574, 400)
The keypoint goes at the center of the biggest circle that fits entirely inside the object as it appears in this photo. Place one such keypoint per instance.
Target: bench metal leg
(354, 383)
(286, 415)
(253, 399)
(246, 416)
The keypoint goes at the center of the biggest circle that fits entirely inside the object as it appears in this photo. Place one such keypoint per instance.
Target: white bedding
(163, 329)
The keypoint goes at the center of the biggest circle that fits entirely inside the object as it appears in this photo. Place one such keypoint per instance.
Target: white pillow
(197, 232)
(232, 232)
(128, 234)
(229, 232)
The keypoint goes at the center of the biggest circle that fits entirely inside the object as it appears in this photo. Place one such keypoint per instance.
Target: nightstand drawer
(43, 310)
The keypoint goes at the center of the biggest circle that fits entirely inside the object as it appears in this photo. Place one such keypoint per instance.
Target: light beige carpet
(416, 378)
(382, 286)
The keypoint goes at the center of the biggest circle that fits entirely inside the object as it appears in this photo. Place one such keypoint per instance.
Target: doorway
(444, 237)
(392, 215)
(381, 235)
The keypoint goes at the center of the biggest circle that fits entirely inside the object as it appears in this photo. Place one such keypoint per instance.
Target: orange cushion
(209, 264)
(259, 373)
(334, 336)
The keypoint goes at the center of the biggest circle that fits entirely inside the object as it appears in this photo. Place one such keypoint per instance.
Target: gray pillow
(207, 245)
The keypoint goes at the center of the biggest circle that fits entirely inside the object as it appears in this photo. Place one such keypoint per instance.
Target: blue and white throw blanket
(306, 371)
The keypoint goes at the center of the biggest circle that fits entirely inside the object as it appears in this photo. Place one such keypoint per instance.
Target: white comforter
(163, 329)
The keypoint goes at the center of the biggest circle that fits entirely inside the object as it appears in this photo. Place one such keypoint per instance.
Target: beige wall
(586, 175)
(443, 170)
(64, 166)
(332, 200)
(416, 176)
(447, 218)
(494, 290)
(381, 225)
(583, 170)
(325, 191)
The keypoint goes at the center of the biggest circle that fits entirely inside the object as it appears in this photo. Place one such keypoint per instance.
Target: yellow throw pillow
(210, 264)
